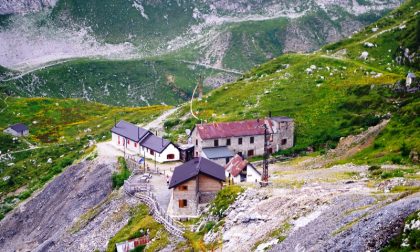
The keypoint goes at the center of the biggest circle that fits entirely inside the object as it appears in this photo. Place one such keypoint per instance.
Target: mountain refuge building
(245, 138)
(193, 183)
(135, 140)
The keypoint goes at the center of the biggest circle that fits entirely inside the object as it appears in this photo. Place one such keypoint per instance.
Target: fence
(143, 192)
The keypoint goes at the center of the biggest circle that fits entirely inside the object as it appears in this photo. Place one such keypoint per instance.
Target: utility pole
(264, 178)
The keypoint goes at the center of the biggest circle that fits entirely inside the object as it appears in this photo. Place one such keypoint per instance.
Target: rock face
(44, 219)
(24, 6)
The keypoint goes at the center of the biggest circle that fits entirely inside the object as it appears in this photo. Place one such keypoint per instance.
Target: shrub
(374, 168)
(405, 151)
(123, 174)
(392, 174)
(224, 198)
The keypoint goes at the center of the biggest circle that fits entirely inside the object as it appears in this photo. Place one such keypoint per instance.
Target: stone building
(193, 183)
(245, 138)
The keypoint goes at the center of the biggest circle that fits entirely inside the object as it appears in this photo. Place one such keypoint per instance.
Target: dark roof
(411, 75)
(218, 152)
(155, 143)
(195, 166)
(19, 127)
(130, 131)
(232, 129)
(282, 119)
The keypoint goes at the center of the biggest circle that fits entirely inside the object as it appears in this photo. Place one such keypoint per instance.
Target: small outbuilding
(240, 170)
(410, 79)
(193, 183)
(18, 129)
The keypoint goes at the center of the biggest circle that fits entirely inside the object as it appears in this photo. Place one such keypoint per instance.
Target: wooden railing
(143, 192)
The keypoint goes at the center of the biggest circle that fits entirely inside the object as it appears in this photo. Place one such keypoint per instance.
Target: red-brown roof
(236, 165)
(233, 129)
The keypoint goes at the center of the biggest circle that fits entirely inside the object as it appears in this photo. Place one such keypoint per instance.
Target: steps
(143, 192)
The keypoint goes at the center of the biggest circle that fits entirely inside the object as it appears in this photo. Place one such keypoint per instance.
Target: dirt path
(157, 124)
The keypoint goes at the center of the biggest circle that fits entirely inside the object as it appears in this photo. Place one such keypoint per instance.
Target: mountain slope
(135, 28)
(130, 83)
(331, 93)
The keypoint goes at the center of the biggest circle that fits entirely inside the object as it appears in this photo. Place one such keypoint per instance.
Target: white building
(18, 129)
(239, 170)
(135, 140)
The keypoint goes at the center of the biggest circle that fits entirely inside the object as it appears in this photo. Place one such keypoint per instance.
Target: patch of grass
(139, 222)
(224, 199)
(408, 239)
(279, 234)
(288, 183)
(119, 177)
(89, 215)
(348, 225)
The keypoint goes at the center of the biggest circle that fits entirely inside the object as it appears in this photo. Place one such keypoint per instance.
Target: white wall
(14, 133)
(162, 157)
(130, 143)
(252, 175)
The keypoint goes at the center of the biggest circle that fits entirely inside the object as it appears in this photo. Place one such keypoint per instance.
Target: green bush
(392, 174)
(123, 174)
(374, 168)
(224, 199)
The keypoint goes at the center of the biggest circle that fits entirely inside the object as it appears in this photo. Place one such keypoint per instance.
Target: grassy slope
(116, 21)
(114, 82)
(326, 104)
(62, 129)
(140, 222)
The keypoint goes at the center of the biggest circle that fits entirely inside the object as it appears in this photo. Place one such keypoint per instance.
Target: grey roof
(194, 167)
(155, 143)
(218, 152)
(130, 131)
(19, 127)
(411, 75)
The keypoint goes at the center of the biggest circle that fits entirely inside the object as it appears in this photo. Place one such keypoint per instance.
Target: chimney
(115, 121)
(269, 114)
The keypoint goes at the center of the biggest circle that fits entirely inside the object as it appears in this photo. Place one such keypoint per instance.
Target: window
(135, 144)
(152, 152)
(251, 140)
(270, 150)
(216, 143)
(228, 141)
(283, 141)
(240, 140)
(170, 156)
(183, 188)
(128, 141)
(196, 142)
(227, 160)
(118, 139)
(250, 153)
(182, 203)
